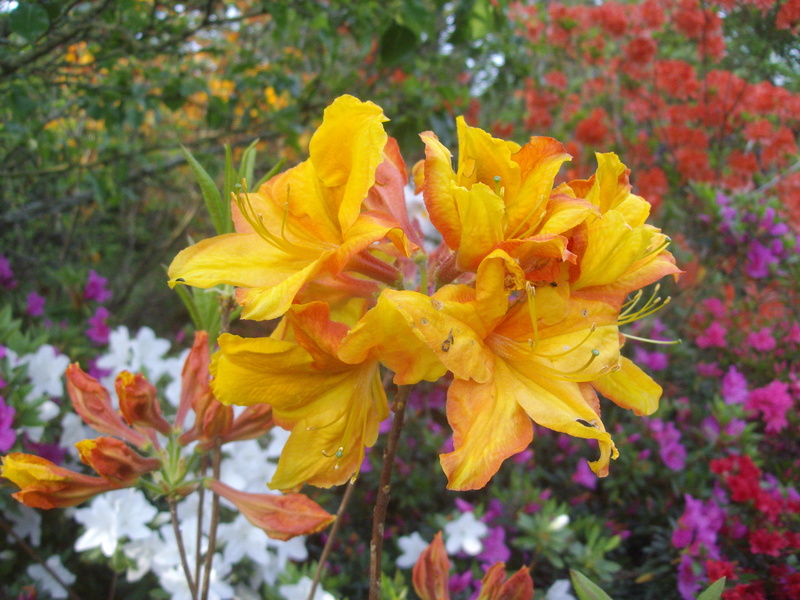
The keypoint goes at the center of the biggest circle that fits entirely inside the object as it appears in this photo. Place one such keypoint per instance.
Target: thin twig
(329, 543)
(35, 556)
(212, 533)
(382, 501)
(173, 513)
(198, 558)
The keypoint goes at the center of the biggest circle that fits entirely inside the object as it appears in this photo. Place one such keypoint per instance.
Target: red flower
(593, 130)
(766, 542)
(641, 50)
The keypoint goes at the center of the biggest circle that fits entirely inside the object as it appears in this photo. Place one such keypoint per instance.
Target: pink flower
(712, 337)
(772, 401)
(35, 306)
(762, 341)
(734, 387)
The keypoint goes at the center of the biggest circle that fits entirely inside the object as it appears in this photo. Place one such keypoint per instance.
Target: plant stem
(329, 543)
(212, 534)
(382, 501)
(173, 513)
(200, 501)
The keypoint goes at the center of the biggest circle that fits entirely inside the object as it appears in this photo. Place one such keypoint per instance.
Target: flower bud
(253, 422)
(93, 403)
(494, 586)
(46, 485)
(281, 516)
(138, 402)
(114, 460)
(194, 377)
(431, 572)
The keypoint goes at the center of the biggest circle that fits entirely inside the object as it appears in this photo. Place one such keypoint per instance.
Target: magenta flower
(584, 476)
(96, 288)
(6, 274)
(99, 331)
(772, 401)
(35, 306)
(654, 361)
(734, 387)
(668, 437)
(712, 337)
(762, 340)
(7, 434)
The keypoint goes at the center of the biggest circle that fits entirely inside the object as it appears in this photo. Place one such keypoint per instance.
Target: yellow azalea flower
(511, 365)
(333, 409)
(309, 222)
(618, 253)
(499, 197)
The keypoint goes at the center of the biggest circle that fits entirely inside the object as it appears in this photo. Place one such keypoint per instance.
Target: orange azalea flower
(309, 222)
(500, 197)
(46, 485)
(511, 365)
(332, 408)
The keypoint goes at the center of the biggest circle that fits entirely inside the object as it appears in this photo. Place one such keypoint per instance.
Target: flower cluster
(521, 302)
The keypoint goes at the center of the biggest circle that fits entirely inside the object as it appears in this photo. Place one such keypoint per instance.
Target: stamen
(649, 341)
(497, 180)
(663, 245)
(575, 347)
(525, 222)
(646, 311)
(572, 375)
(531, 291)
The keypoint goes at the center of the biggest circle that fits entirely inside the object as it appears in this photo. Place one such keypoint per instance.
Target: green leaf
(397, 42)
(229, 183)
(271, 173)
(714, 591)
(29, 20)
(248, 164)
(586, 588)
(211, 194)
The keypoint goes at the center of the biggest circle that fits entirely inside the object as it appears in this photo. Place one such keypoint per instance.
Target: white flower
(141, 553)
(242, 539)
(167, 556)
(45, 582)
(301, 590)
(560, 590)
(114, 515)
(464, 535)
(174, 582)
(558, 522)
(144, 352)
(26, 523)
(249, 467)
(45, 371)
(73, 430)
(412, 546)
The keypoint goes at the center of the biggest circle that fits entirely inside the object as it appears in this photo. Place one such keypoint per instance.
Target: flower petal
(631, 388)
(488, 427)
